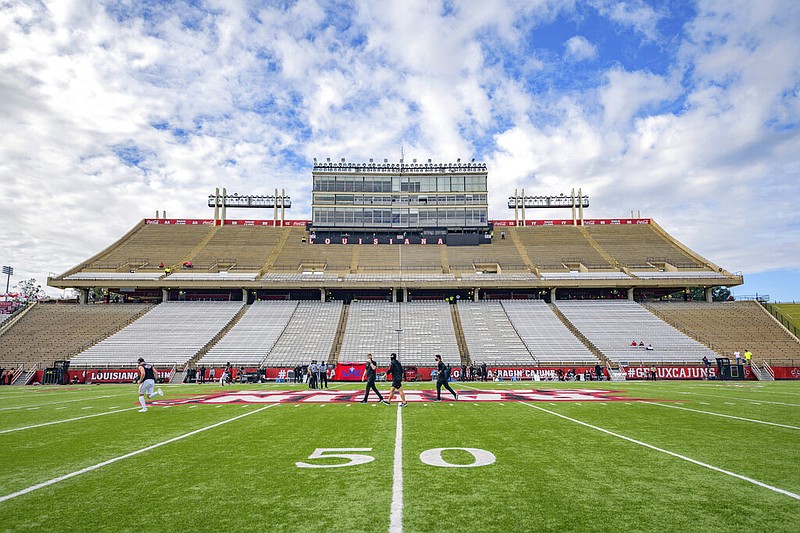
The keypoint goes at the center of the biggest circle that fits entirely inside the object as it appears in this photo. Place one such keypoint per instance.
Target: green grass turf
(790, 312)
(550, 473)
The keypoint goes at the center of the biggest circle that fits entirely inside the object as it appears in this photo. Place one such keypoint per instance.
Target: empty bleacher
(503, 252)
(611, 326)
(732, 326)
(155, 243)
(308, 336)
(546, 337)
(490, 335)
(295, 253)
(250, 340)
(173, 332)
(634, 244)
(248, 246)
(549, 247)
(48, 332)
(427, 330)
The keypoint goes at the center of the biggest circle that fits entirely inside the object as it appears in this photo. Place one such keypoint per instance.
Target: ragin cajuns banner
(673, 372)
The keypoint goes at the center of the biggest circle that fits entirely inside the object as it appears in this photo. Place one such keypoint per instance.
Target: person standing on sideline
(483, 371)
(147, 382)
(396, 370)
(441, 379)
(312, 375)
(323, 374)
(202, 374)
(748, 355)
(370, 371)
(211, 375)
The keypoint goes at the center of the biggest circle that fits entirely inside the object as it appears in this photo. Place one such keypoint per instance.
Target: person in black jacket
(370, 372)
(396, 370)
(441, 379)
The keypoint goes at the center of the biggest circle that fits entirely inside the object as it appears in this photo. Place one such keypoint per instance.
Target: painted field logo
(422, 396)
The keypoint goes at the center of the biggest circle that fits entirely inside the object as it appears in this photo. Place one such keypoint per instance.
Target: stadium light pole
(7, 270)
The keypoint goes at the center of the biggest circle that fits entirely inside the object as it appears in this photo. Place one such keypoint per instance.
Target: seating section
(48, 332)
(547, 338)
(308, 336)
(156, 243)
(250, 340)
(549, 247)
(636, 244)
(173, 332)
(500, 251)
(732, 326)
(295, 252)
(248, 246)
(427, 330)
(490, 336)
(611, 325)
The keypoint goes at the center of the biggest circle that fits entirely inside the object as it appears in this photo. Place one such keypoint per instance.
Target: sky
(685, 112)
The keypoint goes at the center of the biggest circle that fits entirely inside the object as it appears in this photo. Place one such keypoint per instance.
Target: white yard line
(396, 516)
(720, 414)
(67, 420)
(747, 399)
(673, 454)
(64, 401)
(126, 456)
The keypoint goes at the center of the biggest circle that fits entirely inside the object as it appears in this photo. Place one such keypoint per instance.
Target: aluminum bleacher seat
(490, 336)
(611, 325)
(427, 329)
(253, 336)
(547, 338)
(308, 336)
(171, 333)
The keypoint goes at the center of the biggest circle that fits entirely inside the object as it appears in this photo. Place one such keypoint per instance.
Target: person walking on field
(441, 379)
(396, 370)
(147, 382)
(370, 372)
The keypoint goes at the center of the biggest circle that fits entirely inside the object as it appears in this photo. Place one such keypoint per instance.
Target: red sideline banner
(105, 375)
(673, 372)
(786, 372)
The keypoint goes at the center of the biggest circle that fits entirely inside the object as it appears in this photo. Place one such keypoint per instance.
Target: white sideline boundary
(673, 454)
(720, 414)
(64, 401)
(396, 515)
(126, 456)
(67, 420)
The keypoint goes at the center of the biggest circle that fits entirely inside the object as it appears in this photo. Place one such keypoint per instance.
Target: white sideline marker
(67, 420)
(127, 455)
(724, 416)
(673, 454)
(396, 515)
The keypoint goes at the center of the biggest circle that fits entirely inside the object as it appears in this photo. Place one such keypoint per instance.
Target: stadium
(594, 393)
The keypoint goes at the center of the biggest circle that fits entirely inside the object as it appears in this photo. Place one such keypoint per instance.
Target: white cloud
(578, 48)
(244, 97)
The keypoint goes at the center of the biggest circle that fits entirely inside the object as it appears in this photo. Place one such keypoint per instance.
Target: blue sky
(684, 111)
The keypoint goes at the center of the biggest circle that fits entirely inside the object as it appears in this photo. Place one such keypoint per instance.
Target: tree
(30, 290)
(718, 294)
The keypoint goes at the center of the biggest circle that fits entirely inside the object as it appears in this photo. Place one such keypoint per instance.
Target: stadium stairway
(598, 248)
(276, 251)
(512, 232)
(200, 245)
(463, 350)
(210, 344)
(336, 349)
(762, 373)
(581, 337)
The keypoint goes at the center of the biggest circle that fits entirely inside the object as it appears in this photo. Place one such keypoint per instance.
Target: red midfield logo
(331, 396)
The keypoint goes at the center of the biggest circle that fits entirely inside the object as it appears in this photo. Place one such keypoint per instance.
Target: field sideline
(695, 456)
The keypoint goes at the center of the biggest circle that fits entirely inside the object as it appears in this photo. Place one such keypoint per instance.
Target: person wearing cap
(441, 379)
(396, 370)
(370, 372)
(147, 383)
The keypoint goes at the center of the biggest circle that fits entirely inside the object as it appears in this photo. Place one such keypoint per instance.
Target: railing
(769, 370)
(774, 311)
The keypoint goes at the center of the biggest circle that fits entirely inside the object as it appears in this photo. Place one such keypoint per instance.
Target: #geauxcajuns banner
(672, 372)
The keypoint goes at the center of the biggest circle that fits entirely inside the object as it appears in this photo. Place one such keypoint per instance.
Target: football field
(522, 456)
